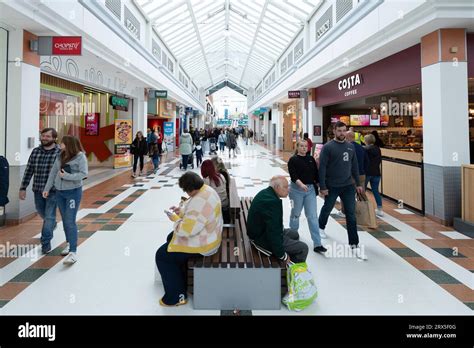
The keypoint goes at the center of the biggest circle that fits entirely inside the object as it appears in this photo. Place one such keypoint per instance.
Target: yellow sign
(123, 132)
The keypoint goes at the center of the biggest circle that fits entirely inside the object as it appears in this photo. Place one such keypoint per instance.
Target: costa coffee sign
(60, 45)
(349, 82)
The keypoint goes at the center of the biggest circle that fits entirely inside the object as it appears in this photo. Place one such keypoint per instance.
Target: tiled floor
(415, 265)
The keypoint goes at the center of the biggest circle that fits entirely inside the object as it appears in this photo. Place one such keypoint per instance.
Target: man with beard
(338, 168)
(39, 164)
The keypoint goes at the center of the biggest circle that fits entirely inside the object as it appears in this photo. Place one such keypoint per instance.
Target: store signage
(118, 103)
(350, 82)
(161, 94)
(92, 123)
(60, 45)
(294, 94)
(123, 132)
(323, 29)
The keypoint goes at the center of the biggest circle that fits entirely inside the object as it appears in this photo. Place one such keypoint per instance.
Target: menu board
(384, 120)
(360, 120)
(122, 157)
(92, 123)
(341, 118)
(375, 120)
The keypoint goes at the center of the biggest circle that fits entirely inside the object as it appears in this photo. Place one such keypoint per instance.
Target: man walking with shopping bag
(337, 169)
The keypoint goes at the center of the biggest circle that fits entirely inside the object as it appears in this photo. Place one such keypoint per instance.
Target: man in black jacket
(4, 184)
(265, 224)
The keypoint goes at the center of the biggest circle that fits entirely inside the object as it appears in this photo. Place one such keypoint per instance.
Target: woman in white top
(217, 181)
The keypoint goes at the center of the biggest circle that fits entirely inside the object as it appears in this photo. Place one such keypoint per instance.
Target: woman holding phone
(67, 173)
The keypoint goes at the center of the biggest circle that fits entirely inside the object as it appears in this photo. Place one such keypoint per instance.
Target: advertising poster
(92, 124)
(384, 120)
(342, 118)
(123, 132)
(122, 157)
(123, 139)
(168, 134)
(360, 120)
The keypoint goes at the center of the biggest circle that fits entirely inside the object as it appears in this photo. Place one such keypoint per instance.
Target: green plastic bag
(301, 288)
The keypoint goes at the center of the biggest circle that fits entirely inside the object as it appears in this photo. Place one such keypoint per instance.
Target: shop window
(283, 66)
(290, 59)
(165, 59)
(170, 65)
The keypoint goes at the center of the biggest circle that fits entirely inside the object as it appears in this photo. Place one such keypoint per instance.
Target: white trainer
(379, 212)
(360, 254)
(322, 234)
(341, 214)
(65, 250)
(70, 259)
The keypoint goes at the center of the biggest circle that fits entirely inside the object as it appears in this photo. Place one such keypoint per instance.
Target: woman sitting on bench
(197, 231)
(217, 181)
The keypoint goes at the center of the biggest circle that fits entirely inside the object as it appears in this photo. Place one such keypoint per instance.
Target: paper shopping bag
(365, 212)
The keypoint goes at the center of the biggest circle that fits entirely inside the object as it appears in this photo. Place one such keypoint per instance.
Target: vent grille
(115, 6)
(342, 8)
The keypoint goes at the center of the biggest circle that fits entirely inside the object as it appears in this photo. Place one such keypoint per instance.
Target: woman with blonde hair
(67, 173)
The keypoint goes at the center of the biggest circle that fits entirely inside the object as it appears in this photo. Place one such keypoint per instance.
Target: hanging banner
(123, 139)
(168, 134)
(92, 123)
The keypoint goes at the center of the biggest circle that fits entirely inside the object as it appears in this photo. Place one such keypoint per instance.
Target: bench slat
(247, 246)
(240, 245)
(224, 247)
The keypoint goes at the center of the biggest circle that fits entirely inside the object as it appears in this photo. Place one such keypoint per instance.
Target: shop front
(292, 124)
(386, 98)
(161, 111)
(101, 120)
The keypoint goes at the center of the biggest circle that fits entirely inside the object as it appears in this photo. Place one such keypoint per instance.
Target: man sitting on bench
(265, 224)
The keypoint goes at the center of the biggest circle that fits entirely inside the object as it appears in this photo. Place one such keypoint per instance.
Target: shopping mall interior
(246, 84)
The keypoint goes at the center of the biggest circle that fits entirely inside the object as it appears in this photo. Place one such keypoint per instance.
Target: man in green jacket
(265, 224)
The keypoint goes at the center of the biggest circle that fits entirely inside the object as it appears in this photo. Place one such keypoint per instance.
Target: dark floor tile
(3, 303)
(100, 202)
(85, 234)
(111, 196)
(405, 252)
(440, 277)
(449, 252)
(123, 215)
(110, 227)
(29, 275)
(469, 304)
(114, 211)
(379, 234)
(92, 216)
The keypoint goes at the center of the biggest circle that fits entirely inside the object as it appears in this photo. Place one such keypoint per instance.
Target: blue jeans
(347, 194)
(222, 146)
(374, 185)
(172, 267)
(307, 200)
(185, 161)
(156, 161)
(68, 204)
(46, 208)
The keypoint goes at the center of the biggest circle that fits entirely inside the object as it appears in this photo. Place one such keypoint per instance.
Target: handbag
(365, 212)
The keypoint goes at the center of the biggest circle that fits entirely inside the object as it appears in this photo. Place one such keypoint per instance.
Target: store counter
(402, 176)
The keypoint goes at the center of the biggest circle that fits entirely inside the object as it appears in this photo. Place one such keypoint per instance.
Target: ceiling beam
(198, 35)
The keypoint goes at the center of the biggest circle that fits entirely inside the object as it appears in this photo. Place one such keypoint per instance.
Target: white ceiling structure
(227, 40)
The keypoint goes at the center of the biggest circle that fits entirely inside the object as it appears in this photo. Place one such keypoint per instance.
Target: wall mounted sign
(60, 45)
(294, 94)
(161, 94)
(119, 103)
(316, 131)
(349, 83)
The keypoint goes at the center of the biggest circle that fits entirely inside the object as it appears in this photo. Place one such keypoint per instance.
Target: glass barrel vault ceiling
(227, 40)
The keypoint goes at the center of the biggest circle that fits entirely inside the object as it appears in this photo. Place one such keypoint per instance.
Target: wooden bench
(238, 276)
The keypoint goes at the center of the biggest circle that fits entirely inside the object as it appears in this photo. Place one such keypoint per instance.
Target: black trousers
(135, 161)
